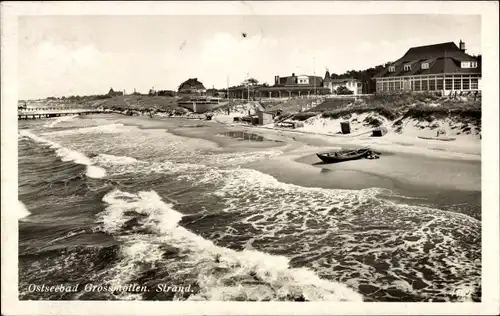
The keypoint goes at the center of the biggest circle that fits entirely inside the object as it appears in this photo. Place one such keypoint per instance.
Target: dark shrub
(372, 121)
(303, 116)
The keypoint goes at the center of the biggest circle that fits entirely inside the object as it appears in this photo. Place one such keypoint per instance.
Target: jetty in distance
(38, 113)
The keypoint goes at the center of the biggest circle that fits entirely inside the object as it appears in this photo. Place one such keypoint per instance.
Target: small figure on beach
(440, 132)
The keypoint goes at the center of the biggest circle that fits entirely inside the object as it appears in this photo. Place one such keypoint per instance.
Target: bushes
(303, 116)
(382, 110)
(373, 121)
(430, 113)
(342, 90)
(167, 93)
(333, 104)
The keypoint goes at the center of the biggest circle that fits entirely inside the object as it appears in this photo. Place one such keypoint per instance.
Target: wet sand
(443, 181)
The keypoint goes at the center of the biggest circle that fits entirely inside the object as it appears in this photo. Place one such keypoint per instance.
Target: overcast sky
(78, 55)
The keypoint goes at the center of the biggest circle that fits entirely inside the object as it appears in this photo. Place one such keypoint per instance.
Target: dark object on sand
(372, 155)
(344, 155)
(379, 131)
(209, 116)
(446, 139)
(345, 127)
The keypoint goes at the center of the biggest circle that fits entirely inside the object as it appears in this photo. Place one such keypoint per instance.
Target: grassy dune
(402, 112)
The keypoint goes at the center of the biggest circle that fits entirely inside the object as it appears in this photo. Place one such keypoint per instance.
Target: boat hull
(331, 158)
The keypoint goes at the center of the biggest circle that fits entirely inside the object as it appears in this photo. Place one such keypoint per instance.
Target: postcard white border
(490, 211)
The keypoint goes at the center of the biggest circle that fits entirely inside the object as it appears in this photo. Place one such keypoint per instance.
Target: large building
(444, 68)
(334, 85)
(294, 85)
(284, 87)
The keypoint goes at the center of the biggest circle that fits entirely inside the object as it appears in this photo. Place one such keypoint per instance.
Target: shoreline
(298, 157)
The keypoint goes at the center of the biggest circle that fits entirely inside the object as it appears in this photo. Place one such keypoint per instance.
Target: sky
(82, 55)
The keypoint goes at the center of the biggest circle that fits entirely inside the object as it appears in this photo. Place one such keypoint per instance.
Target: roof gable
(448, 49)
(443, 57)
(191, 83)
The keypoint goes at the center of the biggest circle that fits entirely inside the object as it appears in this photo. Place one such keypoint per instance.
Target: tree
(342, 90)
(250, 82)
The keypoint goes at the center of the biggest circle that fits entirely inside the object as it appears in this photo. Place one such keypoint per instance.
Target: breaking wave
(221, 273)
(59, 120)
(101, 129)
(22, 211)
(68, 155)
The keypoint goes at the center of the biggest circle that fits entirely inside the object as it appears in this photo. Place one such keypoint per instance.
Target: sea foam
(60, 119)
(22, 211)
(216, 267)
(101, 129)
(67, 154)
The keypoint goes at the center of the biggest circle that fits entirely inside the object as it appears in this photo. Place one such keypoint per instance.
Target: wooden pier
(39, 113)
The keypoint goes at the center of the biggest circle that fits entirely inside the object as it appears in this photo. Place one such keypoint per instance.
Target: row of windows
(407, 67)
(426, 77)
(429, 85)
(469, 64)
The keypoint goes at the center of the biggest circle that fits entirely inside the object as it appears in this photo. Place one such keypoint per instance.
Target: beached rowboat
(343, 155)
(446, 139)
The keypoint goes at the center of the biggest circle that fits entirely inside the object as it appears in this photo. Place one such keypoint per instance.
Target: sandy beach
(443, 172)
(237, 200)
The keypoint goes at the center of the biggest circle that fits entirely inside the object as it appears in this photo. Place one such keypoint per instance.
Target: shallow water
(246, 136)
(111, 204)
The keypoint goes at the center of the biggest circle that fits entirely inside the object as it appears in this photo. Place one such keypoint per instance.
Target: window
(417, 85)
(465, 83)
(457, 84)
(448, 84)
(425, 65)
(439, 84)
(386, 87)
(425, 85)
(474, 84)
(398, 85)
(432, 84)
(407, 67)
(469, 64)
(392, 68)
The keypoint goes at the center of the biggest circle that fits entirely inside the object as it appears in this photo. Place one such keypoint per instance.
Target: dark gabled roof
(191, 83)
(436, 67)
(434, 51)
(442, 58)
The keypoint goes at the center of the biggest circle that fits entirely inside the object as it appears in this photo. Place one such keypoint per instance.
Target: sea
(111, 211)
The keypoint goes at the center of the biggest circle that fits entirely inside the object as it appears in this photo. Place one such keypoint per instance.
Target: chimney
(462, 46)
(276, 80)
(293, 74)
